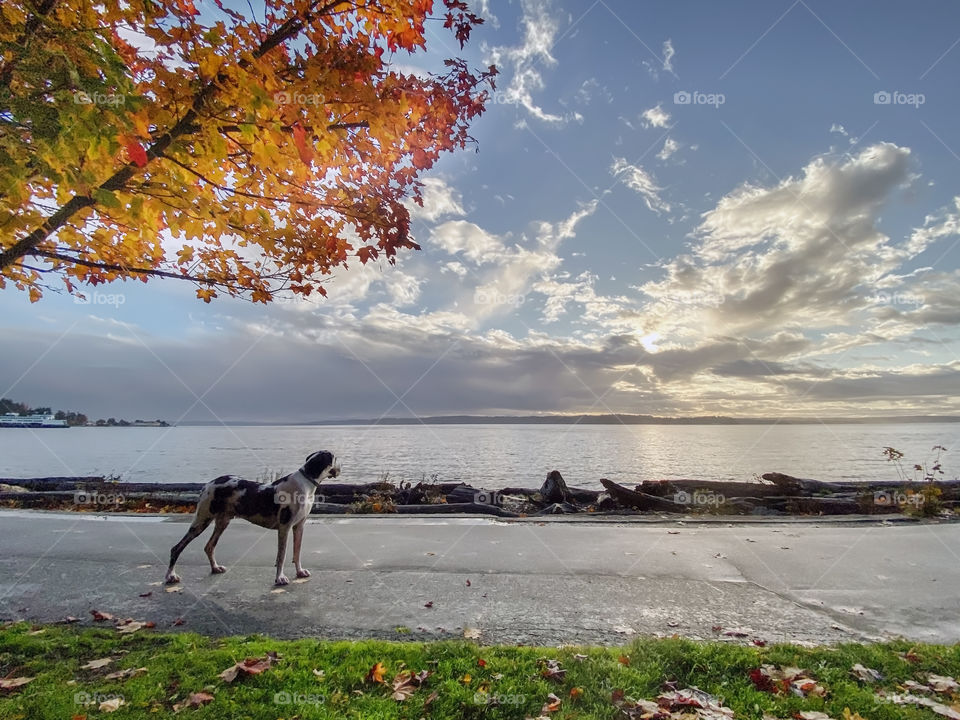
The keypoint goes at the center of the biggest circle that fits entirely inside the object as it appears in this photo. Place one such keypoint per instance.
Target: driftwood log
(776, 493)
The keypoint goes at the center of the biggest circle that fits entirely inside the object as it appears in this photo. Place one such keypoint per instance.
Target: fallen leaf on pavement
(195, 700)
(100, 616)
(147, 594)
(174, 589)
(471, 633)
(428, 604)
(128, 626)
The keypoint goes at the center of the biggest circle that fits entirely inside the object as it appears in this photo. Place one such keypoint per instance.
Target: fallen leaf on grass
(195, 700)
(865, 674)
(97, 664)
(39, 631)
(580, 658)
(694, 697)
(938, 708)
(319, 673)
(407, 683)
(942, 683)
(552, 704)
(375, 675)
(250, 666)
(551, 669)
(772, 679)
(624, 660)
(14, 683)
(111, 705)
(123, 674)
(635, 708)
(481, 662)
(576, 693)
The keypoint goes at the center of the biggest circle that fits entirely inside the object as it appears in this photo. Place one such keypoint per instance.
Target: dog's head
(320, 466)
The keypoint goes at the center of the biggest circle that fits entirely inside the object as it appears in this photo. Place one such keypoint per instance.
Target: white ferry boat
(31, 421)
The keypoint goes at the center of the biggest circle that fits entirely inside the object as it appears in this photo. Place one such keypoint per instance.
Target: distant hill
(633, 420)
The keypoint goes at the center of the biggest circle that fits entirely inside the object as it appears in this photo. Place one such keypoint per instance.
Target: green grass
(180, 664)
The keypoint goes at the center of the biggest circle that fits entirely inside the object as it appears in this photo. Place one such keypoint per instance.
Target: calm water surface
(482, 455)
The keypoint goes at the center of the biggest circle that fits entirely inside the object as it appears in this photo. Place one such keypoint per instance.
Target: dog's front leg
(281, 553)
(302, 572)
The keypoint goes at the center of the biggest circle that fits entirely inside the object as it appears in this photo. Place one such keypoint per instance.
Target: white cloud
(805, 254)
(522, 63)
(670, 146)
(668, 53)
(638, 179)
(655, 117)
(476, 244)
(439, 201)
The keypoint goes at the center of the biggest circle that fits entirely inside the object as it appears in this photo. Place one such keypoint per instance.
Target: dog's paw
(282, 580)
(303, 572)
(217, 569)
(172, 579)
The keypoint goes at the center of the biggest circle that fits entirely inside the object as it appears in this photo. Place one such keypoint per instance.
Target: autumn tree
(156, 138)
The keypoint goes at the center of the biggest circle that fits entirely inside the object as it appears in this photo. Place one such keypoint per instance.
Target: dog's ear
(316, 463)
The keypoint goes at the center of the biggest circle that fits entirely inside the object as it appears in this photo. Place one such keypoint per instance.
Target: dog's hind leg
(282, 533)
(302, 572)
(196, 529)
(211, 545)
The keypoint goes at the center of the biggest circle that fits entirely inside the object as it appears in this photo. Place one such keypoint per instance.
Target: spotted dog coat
(280, 506)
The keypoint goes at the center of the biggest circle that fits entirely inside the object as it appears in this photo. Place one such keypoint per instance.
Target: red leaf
(136, 153)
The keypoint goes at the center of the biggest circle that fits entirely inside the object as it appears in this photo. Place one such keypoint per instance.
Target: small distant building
(31, 421)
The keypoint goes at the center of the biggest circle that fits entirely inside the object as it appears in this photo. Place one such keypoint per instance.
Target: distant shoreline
(589, 420)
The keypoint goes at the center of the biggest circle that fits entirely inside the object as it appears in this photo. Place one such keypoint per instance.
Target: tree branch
(28, 244)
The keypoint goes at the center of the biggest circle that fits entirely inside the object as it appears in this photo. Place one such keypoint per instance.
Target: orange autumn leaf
(375, 675)
(303, 148)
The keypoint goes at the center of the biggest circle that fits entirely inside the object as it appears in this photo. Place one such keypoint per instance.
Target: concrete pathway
(514, 582)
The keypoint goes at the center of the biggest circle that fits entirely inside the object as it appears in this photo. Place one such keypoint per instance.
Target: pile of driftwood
(776, 494)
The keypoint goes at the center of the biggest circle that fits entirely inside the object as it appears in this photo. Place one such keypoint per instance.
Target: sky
(675, 209)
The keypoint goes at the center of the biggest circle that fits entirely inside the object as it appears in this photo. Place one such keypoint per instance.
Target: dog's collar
(315, 483)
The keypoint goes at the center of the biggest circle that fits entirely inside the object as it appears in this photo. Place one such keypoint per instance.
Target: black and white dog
(283, 504)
